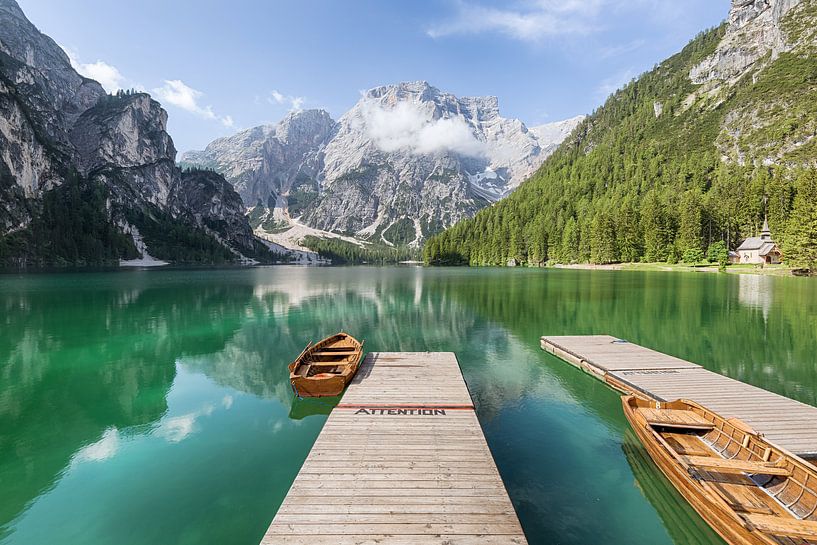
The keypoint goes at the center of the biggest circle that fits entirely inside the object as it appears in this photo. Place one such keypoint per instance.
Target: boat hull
(328, 387)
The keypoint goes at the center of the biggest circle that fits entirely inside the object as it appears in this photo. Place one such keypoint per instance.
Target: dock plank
(401, 460)
(634, 369)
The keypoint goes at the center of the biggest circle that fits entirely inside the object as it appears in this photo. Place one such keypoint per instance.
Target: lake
(149, 407)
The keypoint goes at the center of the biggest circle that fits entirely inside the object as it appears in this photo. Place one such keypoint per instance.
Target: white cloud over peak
(408, 127)
(295, 103)
(181, 95)
(106, 74)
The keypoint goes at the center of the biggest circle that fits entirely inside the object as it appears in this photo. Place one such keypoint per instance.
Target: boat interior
(329, 357)
(772, 491)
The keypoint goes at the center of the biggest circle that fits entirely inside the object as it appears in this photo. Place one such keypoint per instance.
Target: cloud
(106, 74)
(532, 22)
(408, 127)
(295, 103)
(535, 20)
(181, 95)
(621, 49)
(610, 85)
(103, 449)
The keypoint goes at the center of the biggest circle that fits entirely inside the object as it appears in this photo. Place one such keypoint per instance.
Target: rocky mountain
(686, 160)
(406, 161)
(86, 177)
(754, 32)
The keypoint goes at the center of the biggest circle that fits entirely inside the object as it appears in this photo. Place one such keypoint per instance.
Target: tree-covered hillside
(665, 169)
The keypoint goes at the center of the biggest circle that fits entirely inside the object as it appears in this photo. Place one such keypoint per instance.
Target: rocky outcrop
(406, 161)
(56, 125)
(266, 161)
(208, 200)
(54, 94)
(754, 31)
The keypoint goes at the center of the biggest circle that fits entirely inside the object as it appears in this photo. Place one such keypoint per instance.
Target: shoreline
(769, 270)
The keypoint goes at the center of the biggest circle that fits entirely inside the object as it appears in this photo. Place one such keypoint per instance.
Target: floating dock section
(402, 460)
(633, 369)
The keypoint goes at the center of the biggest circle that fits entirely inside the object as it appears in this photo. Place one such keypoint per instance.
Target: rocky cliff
(406, 161)
(754, 33)
(86, 177)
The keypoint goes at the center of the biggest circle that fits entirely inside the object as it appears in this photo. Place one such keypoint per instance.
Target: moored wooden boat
(325, 368)
(750, 491)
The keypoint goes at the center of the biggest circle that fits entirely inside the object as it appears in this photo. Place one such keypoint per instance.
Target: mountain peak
(421, 90)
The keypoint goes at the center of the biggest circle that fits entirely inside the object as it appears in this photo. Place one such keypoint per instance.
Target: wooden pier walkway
(637, 370)
(402, 460)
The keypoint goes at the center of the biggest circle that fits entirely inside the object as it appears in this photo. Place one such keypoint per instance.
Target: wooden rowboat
(750, 491)
(324, 369)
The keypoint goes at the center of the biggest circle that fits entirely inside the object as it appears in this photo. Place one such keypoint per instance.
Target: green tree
(801, 234)
(536, 240)
(718, 253)
(655, 224)
(603, 239)
(569, 252)
(693, 256)
(690, 221)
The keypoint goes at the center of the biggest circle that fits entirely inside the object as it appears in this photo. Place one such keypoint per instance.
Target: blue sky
(221, 66)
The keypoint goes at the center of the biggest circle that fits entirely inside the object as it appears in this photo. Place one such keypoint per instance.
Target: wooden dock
(402, 460)
(634, 369)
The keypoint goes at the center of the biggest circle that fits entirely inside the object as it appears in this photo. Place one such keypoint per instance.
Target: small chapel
(760, 250)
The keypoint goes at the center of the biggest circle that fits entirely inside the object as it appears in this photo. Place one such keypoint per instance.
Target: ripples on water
(153, 406)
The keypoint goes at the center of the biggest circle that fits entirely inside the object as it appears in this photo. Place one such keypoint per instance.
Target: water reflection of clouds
(101, 450)
(177, 428)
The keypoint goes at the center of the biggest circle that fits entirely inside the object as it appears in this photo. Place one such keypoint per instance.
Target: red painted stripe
(387, 407)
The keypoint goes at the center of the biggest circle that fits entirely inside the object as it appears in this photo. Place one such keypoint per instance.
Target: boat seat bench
(676, 419)
(735, 466)
(779, 526)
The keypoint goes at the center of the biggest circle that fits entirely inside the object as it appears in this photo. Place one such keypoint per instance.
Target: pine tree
(603, 239)
(654, 223)
(691, 218)
(801, 234)
(569, 252)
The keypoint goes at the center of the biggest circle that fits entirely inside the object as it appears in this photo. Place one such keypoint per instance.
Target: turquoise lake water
(153, 407)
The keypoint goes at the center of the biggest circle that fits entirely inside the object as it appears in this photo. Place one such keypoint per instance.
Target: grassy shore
(768, 270)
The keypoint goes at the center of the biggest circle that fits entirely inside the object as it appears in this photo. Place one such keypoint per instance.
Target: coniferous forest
(655, 176)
